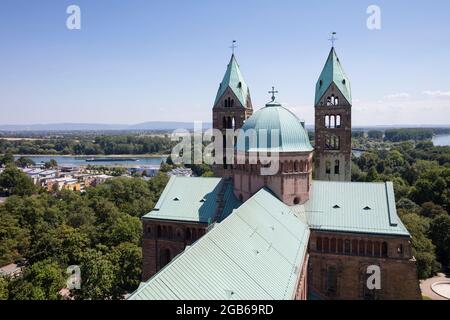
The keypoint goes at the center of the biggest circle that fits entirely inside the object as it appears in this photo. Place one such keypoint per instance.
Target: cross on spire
(333, 38)
(273, 91)
(233, 46)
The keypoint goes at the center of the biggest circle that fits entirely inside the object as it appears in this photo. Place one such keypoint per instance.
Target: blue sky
(145, 60)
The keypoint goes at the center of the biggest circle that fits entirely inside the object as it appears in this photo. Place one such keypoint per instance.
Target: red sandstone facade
(163, 240)
(338, 266)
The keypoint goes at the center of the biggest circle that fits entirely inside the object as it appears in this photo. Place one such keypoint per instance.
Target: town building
(249, 235)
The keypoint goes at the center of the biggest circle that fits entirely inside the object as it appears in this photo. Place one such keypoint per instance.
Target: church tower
(232, 107)
(333, 125)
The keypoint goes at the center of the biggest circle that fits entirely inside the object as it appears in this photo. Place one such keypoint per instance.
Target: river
(441, 140)
(76, 161)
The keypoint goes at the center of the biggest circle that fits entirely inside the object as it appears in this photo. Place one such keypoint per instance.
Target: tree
(98, 277)
(8, 158)
(431, 210)
(13, 238)
(3, 288)
(440, 235)
(50, 164)
(372, 175)
(375, 134)
(24, 162)
(41, 281)
(423, 248)
(127, 257)
(16, 182)
(124, 228)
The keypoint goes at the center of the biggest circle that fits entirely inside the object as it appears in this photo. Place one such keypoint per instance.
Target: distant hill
(151, 125)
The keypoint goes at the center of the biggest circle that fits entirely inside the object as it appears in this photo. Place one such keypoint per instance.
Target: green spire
(333, 72)
(233, 79)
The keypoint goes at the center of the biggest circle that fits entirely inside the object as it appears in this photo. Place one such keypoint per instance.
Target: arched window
(336, 167)
(319, 244)
(376, 249)
(355, 247)
(296, 200)
(229, 123)
(159, 232)
(400, 249)
(328, 167)
(336, 101)
(296, 166)
(333, 245)
(338, 121)
(369, 250)
(291, 166)
(384, 249)
(332, 122)
(347, 246)
(328, 101)
(164, 257)
(362, 248)
(331, 280)
(225, 102)
(326, 245)
(327, 121)
(188, 234)
(340, 246)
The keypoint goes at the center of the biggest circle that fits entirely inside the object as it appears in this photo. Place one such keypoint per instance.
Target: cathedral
(304, 232)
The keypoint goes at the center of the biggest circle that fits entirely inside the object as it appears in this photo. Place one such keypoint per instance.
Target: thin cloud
(437, 93)
(401, 95)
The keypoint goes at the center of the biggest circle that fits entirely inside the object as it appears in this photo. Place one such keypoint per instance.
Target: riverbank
(153, 155)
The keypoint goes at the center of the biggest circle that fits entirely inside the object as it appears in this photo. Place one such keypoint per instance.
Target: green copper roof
(354, 207)
(234, 80)
(255, 253)
(275, 120)
(193, 199)
(333, 73)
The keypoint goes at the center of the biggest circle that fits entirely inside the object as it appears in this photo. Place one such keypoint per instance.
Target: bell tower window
(336, 167)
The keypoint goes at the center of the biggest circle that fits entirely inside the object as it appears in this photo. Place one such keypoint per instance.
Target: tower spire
(333, 38)
(233, 46)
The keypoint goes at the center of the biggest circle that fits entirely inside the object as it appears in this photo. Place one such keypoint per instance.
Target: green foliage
(201, 170)
(15, 182)
(440, 234)
(51, 164)
(99, 230)
(97, 276)
(87, 144)
(404, 134)
(24, 162)
(375, 134)
(7, 158)
(41, 281)
(423, 248)
(127, 257)
(4, 292)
